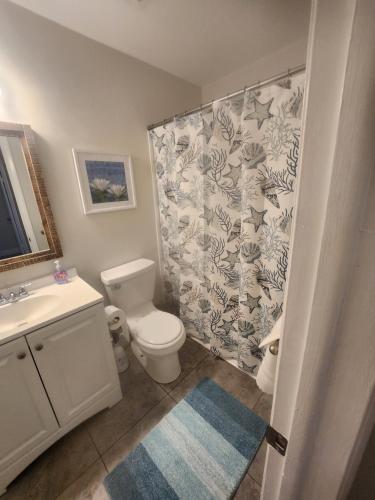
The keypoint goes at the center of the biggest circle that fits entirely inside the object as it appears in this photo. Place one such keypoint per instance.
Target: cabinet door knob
(39, 347)
(21, 355)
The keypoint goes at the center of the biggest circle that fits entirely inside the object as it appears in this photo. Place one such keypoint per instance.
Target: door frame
(337, 162)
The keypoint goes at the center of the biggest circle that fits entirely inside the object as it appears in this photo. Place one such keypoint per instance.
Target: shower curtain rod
(256, 85)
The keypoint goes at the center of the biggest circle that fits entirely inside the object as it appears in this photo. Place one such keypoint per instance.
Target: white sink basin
(48, 302)
(26, 311)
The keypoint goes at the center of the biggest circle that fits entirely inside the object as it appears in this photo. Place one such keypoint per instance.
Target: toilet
(156, 335)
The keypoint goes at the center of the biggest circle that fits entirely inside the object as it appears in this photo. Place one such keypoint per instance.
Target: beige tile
(55, 469)
(141, 394)
(191, 354)
(248, 490)
(133, 437)
(263, 407)
(227, 376)
(89, 486)
(256, 468)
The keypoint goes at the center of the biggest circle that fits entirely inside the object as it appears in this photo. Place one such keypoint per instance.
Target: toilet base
(163, 369)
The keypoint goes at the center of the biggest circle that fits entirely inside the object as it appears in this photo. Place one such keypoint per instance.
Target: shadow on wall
(363, 486)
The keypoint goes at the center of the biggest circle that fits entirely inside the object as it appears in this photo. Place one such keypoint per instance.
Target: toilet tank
(130, 285)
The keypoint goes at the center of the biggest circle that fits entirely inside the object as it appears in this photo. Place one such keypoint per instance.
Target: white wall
(326, 373)
(279, 61)
(356, 329)
(75, 92)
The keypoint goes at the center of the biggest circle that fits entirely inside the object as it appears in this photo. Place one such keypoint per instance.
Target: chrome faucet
(15, 295)
(22, 291)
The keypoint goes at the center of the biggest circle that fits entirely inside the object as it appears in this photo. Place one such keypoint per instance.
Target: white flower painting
(106, 181)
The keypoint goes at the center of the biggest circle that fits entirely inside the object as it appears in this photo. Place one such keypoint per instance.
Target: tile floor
(74, 467)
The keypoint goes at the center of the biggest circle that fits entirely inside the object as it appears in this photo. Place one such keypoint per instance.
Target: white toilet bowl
(156, 335)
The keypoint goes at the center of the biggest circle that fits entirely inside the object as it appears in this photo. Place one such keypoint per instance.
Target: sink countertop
(65, 300)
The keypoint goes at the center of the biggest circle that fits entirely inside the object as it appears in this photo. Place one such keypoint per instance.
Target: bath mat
(200, 450)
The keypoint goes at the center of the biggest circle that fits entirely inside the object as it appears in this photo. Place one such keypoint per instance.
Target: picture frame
(105, 181)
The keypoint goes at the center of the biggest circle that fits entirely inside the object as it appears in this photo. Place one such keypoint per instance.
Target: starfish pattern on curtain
(226, 177)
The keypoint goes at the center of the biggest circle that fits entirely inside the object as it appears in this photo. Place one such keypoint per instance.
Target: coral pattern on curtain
(226, 177)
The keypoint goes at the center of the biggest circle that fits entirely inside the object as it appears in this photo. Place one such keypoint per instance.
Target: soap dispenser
(60, 275)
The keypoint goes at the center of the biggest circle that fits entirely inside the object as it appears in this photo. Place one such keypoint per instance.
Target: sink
(46, 303)
(27, 310)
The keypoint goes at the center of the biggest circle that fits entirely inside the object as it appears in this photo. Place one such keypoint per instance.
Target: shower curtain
(226, 177)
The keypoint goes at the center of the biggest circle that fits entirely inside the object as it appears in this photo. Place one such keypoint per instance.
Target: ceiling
(197, 40)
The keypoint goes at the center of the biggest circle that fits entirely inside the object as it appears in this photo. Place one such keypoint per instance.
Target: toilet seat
(156, 329)
(159, 328)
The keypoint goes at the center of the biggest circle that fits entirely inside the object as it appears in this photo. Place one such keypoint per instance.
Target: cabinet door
(75, 360)
(26, 416)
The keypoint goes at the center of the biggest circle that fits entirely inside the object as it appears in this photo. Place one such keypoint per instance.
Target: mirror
(21, 226)
(27, 230)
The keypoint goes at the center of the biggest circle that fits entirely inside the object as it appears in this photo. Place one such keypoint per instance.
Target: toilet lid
(159, 328)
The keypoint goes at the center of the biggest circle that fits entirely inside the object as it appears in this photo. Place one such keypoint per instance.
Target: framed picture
(105, 181)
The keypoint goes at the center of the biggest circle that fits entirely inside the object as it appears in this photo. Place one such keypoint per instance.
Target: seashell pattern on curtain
(226, 178)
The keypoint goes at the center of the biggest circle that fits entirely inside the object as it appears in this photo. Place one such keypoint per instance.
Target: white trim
(315, 405)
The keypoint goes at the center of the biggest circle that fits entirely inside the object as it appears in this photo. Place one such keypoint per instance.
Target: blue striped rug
(200, 450)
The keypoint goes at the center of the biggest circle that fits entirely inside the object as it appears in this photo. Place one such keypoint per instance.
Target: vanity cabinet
(52, 379)
(74, 362)
(26, 416)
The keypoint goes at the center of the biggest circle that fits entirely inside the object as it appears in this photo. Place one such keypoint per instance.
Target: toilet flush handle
(116, 286)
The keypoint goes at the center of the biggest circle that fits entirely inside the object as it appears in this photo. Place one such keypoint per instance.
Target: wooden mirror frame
(26, 135)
